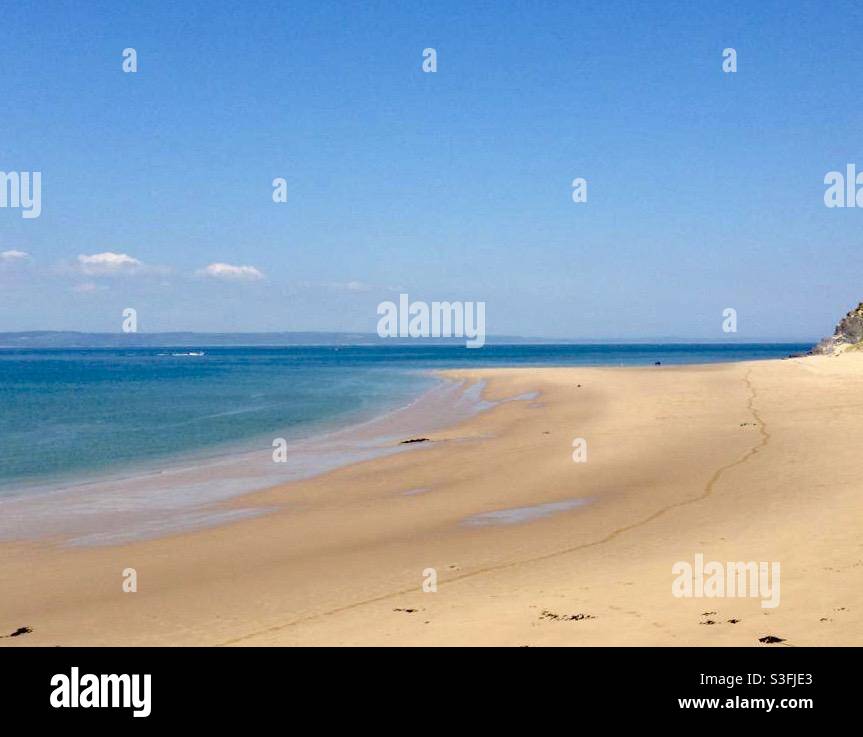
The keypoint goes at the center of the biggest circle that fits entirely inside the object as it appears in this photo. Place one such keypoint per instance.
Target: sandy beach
(754, 461)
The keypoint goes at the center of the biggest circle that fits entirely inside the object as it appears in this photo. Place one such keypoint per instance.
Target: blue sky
(705, 189)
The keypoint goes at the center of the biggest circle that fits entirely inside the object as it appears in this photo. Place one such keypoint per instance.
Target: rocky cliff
(847, 336)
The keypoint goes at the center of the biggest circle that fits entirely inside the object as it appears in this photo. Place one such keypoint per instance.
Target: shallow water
(518, 515)
(75, 413)
(102, 444)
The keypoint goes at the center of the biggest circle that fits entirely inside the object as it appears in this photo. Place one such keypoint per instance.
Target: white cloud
(231, 273)
(357, 286)
(14, 255)
(108, 263)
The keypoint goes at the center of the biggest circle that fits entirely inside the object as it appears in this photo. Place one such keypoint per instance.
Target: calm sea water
(74, 413)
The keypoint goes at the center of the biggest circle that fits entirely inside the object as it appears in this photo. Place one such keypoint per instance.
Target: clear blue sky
(705, 189)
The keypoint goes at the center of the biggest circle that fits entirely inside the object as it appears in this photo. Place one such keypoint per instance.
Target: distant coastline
(42, 339)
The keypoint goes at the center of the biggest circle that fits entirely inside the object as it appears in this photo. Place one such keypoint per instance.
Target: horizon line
(376, 339)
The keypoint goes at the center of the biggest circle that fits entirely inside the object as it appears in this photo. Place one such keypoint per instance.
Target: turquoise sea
(81, 413)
